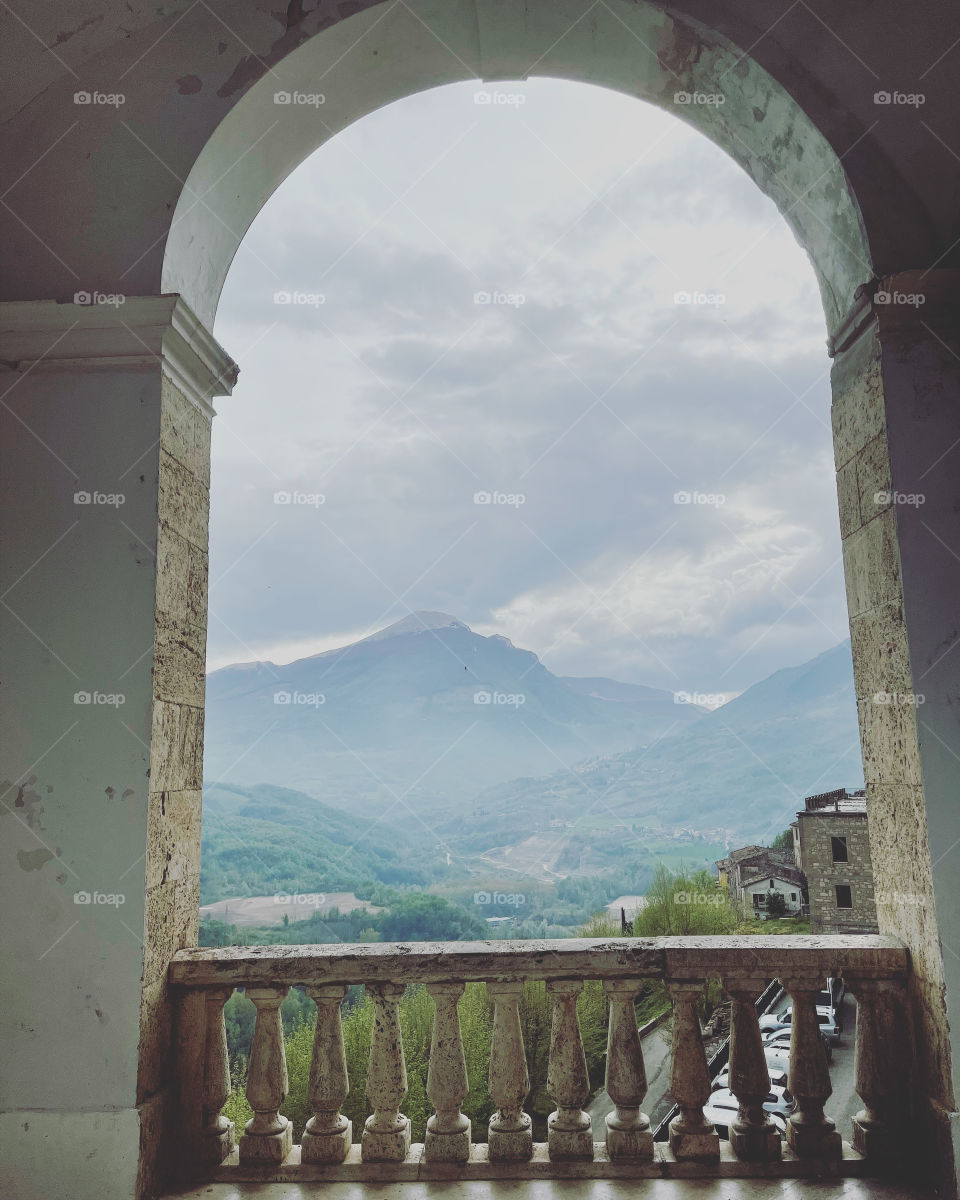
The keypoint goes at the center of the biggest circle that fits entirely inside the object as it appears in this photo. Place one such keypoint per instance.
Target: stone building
(751, 873)
(831, 845)
(140, 142)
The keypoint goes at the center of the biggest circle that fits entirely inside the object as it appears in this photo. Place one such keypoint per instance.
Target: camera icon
(482, 497)
(282, 297)
(882, 98)
(682, 898)
(82, 898)
(481, 898)
(481, 297)
(882, 298)
(82, 298)
(681, 97)
(681, 497)
(82, 697)
(82, 97)
(481, 697)
(281, 697)
(281, 97)
(82, 498)
(681, 297)
(282, 498)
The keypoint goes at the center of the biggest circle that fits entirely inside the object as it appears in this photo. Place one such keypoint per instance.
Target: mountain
(262, 840)
(425, 709)
(745, 767)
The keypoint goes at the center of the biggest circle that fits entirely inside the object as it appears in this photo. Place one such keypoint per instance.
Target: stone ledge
(414, 1168)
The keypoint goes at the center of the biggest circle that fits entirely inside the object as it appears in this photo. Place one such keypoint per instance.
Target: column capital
(905, 301)
(110, 332)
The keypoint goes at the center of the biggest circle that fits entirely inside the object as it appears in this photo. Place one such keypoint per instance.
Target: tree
(776, 904)
(783, 841)
(421, 917)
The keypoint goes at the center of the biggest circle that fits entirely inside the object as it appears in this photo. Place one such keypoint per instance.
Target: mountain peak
(418, 622)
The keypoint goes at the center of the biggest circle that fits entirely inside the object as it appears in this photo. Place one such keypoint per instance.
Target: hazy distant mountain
(425, 707)
(745, 767)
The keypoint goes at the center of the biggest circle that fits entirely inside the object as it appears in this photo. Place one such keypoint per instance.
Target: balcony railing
(874, 969)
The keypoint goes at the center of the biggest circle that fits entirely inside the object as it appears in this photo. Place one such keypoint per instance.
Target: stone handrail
(874, 968)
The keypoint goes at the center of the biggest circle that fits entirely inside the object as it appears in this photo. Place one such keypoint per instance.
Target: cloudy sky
(482, 304)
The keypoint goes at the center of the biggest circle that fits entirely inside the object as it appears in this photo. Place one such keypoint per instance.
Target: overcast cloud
(582, 387)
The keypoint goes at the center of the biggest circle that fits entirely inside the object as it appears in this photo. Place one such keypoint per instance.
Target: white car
(722, 1108)
(826, 1018)
(778, 1075)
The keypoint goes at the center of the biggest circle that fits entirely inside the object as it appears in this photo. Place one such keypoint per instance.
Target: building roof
(791, 875)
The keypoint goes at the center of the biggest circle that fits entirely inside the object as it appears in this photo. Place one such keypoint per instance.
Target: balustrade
(876, 968)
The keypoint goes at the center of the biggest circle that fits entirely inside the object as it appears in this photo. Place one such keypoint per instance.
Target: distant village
(828, 876)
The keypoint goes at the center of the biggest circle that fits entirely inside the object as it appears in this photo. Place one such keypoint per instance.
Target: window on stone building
(839, 846)
(793, 895)
(844, 896)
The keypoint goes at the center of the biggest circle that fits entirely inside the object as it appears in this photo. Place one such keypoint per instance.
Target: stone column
(810, 1134)
(628, 1129)
(386, 1134)
(753, 1136)
(510, 1133)
(104, 584)
(217, 1137)
(884, 1071)
(268, 1136)
(569, 1131)
(896, 420)
(328, 1134)
(448, 1130)
(692, 1136)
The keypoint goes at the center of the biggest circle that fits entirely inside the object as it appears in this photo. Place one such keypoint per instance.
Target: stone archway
(161, 190)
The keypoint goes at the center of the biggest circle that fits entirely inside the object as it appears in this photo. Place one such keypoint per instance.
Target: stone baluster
(268, 1137)
(628, 1129)
(692, 1136)
(882, 1069)
(328, 1134)
(510, 1135)
(448, 1131)
(753, 1136)
(810, 1134)
(569, 1131)
(217, 1134)
(386, 1134)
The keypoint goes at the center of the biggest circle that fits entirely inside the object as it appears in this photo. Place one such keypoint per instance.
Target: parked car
(778, 1075)
(826, 1017)
(722, 1108)
(779, 1039)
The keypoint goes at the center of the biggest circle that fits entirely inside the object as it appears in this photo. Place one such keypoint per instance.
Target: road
(656, 1057)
